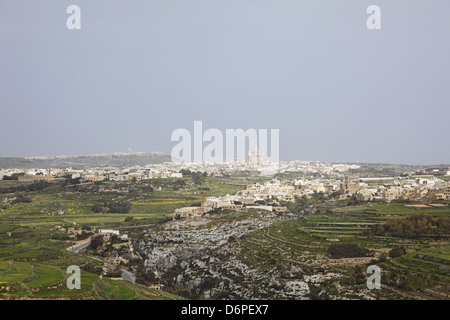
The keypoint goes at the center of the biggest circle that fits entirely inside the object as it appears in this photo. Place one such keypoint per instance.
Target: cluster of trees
(316, 197)
(397, 252)
(35, 186)
(112, 207)
(97, 242)
(209, 283)
(415, 226)
(113, 273)
(92, 268)
(346, 250)
(197, 177)
(14, 176)
(397, 279)
(177, 184)
(145, 277)
(119, 207)
(82, 236)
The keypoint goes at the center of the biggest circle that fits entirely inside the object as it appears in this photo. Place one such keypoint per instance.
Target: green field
(33, 261)
(45, 276)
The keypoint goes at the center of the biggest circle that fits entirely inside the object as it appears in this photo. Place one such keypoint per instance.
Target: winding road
(126, 275)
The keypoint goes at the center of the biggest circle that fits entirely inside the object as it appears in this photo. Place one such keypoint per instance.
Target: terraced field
(423, 273)
(17, 272)
(33, 265)
(427, 277)
(45, 276)
(23, 280)
(34, 259)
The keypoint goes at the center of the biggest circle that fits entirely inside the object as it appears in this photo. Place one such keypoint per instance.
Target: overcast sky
(137, 70)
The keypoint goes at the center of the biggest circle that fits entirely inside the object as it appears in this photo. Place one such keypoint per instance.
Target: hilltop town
(237, 230)
(338, 180)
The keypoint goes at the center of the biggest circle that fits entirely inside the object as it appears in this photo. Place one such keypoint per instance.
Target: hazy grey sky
(137, 70)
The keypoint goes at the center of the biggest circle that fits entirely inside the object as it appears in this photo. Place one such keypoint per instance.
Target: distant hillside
(85, 162)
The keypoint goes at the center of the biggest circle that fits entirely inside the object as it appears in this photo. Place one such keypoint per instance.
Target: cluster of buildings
(235, 202)
(92, 175)
(241, 201)
(275, 191)
(439, 171)
(418, 189)
(122, 243)
(254, 162)
(110, 238)
(425, 187)
(376, 189)
(72, 231)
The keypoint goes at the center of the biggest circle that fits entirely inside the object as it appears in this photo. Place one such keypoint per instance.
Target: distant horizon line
(129, 152)
(83, 155)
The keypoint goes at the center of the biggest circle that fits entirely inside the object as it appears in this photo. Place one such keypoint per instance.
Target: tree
(14, 176)
(144, 277)
(92, 268)
(185, 172)
(75, 181)
(197, 178)
(82, 236)
(97, 242)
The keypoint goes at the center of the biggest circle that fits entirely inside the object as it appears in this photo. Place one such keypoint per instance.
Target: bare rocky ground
(208, 258)
(177, 241)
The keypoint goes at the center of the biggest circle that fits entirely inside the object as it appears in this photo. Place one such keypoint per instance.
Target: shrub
(397, 252)
(338, 251)
(119, 207)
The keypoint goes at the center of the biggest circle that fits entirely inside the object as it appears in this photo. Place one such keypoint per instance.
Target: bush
(397, 252)
(82, 236)
(112, 207)
(119, 207)
(92, 268)
(97, 208)
(383, 257)
(35, 186)
(21, 198)
(338, 251)
(404, 284)
(145, 277)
